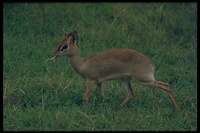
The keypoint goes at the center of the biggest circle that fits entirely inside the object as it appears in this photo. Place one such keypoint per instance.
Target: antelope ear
(74, 36)
(65, 32)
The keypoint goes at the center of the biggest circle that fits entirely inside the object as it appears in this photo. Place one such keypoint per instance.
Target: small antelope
(123, 64)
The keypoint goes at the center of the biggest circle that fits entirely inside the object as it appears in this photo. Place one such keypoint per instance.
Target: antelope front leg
(101, 91)
(90, 85)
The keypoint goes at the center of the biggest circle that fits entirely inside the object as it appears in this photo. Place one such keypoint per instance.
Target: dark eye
(63, 47)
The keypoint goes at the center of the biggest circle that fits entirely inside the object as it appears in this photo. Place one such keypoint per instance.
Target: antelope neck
(77, 62)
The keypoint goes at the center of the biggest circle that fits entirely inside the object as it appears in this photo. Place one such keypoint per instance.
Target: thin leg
(164, 86)
(90, 85)
(101, 91)
(99, 87)
(129, 92)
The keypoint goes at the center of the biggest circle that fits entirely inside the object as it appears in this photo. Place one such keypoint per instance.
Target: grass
(45, 96)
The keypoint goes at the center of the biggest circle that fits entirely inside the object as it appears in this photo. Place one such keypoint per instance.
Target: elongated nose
(54, 54)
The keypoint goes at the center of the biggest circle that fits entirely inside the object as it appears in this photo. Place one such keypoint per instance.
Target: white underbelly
(120, 76)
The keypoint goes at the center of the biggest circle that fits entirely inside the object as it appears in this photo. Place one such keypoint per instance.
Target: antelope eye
(64, 47)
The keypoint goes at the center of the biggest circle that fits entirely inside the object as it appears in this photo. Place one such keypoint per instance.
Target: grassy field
(45, 96)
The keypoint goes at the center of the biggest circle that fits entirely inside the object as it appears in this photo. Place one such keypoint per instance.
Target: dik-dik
(122, 64)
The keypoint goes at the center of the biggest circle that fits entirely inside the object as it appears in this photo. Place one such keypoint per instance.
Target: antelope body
(123, 64)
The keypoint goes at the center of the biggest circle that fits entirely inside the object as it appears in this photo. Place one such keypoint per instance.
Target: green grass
(45, 96)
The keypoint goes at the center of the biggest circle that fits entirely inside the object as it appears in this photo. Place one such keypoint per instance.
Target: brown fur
(123, 64)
